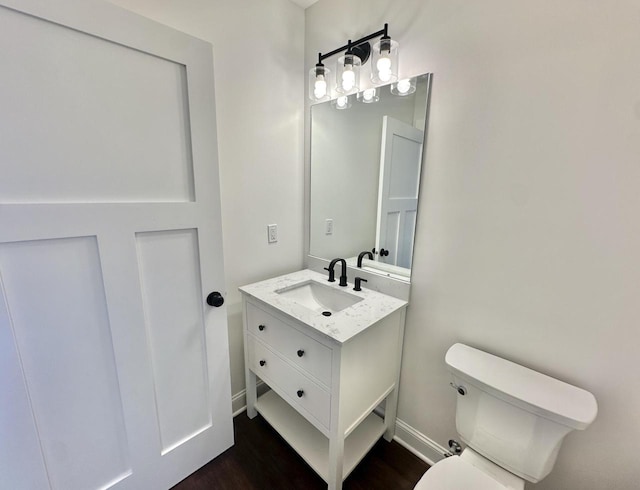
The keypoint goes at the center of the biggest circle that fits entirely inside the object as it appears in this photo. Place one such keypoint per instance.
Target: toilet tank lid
(523, 387)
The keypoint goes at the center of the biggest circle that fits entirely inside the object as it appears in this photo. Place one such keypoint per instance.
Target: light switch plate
(272, 233)
(328, 226)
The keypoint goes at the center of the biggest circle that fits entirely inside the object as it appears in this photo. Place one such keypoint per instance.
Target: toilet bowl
(468, 471)
(512, 419)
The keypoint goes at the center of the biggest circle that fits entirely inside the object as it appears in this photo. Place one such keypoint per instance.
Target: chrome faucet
(332, 274)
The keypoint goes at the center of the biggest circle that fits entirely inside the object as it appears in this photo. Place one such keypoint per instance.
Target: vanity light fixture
(385, 58)
(318, 87)
(348, 72)
(403, 87)
(384, 67)
(369, 96)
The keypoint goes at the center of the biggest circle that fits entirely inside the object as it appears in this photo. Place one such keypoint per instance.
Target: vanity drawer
(301, 391)
(305, 352)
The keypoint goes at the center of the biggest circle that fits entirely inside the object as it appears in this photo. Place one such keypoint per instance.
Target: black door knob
(215, 299)
(300, 393)
(262, 362)
(383, 252)
(261, 327)
(300, 353)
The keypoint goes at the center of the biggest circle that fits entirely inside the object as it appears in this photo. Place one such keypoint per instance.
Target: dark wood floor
(261, 459)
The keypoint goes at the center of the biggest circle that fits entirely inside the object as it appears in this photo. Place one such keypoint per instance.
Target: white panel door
(114, 370)
(400, 164)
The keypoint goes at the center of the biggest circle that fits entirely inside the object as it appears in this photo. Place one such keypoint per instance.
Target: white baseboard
(416, 442)
(239, 400)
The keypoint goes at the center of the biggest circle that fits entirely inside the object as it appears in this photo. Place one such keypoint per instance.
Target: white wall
(528, 227)
(259, 85)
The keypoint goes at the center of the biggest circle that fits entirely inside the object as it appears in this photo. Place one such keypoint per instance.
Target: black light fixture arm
(381, 32)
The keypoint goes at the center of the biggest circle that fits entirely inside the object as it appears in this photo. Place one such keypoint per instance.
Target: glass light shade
(369, 96)
(319, 89)
(384, 61)
(348, 74)
(403, 87)
(342, 102)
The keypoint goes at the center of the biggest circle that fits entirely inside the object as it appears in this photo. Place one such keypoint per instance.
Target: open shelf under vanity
(310, 443)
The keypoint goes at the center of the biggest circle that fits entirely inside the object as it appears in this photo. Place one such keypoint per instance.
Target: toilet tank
(512, 415)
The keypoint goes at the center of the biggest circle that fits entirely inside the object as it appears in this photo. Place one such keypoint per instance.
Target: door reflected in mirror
(366, 163)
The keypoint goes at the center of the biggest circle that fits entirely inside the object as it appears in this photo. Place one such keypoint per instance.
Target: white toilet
(511, 418)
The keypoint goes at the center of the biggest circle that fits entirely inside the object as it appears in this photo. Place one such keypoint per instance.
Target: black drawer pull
(300, 353)
(300, 393)
(262, 362)
(261, 327)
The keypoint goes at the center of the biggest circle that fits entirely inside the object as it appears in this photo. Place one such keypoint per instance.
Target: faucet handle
(332, 274)
(357, 281)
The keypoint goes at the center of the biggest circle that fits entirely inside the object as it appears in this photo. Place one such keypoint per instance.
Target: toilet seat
(454, 473)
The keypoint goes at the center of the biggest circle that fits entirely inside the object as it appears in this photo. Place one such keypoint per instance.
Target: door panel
(16, 408)
(405, 166)
(85, 100)
(390, 237)
(56, 305)
(174, 315)
(405, 245)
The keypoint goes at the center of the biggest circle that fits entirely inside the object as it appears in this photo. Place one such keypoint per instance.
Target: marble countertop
(340, 326)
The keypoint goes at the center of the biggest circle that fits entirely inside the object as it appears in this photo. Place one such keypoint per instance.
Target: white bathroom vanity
(330, 355)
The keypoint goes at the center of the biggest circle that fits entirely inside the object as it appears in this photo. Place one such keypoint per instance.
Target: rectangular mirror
(366, 162)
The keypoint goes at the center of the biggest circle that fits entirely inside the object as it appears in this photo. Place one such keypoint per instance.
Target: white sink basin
(319, 297)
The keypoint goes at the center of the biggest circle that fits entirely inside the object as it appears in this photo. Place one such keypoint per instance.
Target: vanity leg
(391, 405)
(251, 394)
(336, 460)
(390, 412)
(250, 381)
